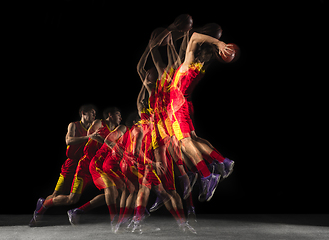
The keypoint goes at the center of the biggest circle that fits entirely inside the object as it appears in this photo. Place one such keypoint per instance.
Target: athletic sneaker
(186, 185)
(191, 216)
(229, 165)
(213, 183)
(185, 225)
(74, 215)
(113, 222)
(37, 217)
(204, 188)
(137, 227)
(158, 204)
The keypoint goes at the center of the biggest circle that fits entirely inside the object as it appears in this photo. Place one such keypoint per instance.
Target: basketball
(183, 22)
(233, 55)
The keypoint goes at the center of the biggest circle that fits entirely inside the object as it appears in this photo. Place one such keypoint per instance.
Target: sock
(203, 169)
(140, 210)
(174, 214)
(46, 204)
(112, 210)
(127, 212)
(180, 214)
(216, 155)
(207, 158)
(122, 210)
(86, 207)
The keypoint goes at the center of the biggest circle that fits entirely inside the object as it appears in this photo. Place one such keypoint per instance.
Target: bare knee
(73, 199)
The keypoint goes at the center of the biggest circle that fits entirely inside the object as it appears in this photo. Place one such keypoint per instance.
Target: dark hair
(86, 108)
(110, 110)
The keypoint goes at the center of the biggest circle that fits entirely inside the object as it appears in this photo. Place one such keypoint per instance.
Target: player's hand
(160, 169)
(224, 49)
(94, 135)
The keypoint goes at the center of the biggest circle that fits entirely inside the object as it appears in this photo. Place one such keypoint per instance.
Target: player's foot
(158, 204)
(218, 168)
(74, 215)
(137, 228)
(212, 186)
(229, 165)
(131, 224)
(204, 188)
(191, 216)
(185, 182)
(186, 226)
(36, 217)
(146, 214)
(114, 222)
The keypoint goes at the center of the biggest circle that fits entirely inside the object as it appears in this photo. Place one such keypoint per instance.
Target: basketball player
(210, 153)
(82, 176)
(76, 138)
(148, 177)
(184, 81)
(99, 177)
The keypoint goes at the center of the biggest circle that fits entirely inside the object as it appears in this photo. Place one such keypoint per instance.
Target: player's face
(90, 116)
(116, 118)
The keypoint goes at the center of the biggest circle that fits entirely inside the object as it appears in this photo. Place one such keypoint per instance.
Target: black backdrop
(76, 52)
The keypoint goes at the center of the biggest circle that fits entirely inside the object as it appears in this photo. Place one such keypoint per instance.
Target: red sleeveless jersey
(75, 151)
(92, 146)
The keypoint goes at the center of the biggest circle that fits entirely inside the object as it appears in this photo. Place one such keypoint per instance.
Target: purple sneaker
(213, 183)
(74, 216)
(191, 216)
(37, 217)
(204, 188)
(186, 185)
(158, 204)
(229, 165)
(219, 168)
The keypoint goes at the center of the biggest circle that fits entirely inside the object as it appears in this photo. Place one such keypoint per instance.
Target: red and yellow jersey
(75, 151)
(187, 80)
(92, 146)
(146, 152)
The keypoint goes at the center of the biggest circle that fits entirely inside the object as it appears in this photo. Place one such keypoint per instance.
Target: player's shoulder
(72, 124)
(122, 128)
(97, 121)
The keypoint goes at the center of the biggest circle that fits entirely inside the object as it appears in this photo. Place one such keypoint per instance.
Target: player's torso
(75, 151)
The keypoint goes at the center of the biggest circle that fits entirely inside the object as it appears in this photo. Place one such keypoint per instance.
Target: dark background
(257, 111)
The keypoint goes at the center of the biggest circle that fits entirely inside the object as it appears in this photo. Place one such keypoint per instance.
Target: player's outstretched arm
(198, 38)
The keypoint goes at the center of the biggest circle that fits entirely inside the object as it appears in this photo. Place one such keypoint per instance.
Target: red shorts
(114, 172)
(66, 176)
(82, 176)
(100, 178)
(181, 122)
(130, 172)
(147, 176)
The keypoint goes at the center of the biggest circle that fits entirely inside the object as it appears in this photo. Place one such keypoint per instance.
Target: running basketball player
(99, 177)
(82, 176)
(76, 138)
